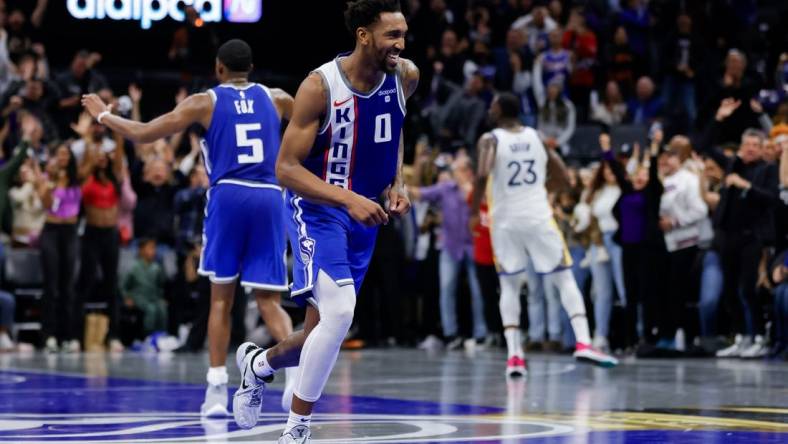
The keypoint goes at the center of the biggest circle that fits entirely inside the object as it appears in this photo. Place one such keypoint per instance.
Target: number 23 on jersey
(522, 173)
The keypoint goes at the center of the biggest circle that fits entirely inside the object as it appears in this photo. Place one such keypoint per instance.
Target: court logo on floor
(185, 427)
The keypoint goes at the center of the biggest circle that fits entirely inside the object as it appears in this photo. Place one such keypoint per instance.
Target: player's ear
(362, 35)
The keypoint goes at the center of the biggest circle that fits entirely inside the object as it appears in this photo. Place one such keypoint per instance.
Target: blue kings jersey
(357, 146)
(243, 140)
(555, 64)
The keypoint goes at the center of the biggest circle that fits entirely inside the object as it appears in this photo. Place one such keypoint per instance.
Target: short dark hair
(236, 55)
(510, 105)
(362, 13)
(144, 241)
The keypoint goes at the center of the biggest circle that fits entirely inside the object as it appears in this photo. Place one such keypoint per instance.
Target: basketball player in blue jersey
(243, 234)
(341, 151)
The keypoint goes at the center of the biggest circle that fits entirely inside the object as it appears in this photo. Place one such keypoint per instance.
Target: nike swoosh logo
(336, 103)
(243, 381)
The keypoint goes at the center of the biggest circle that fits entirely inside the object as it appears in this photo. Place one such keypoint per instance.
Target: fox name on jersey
(244, 106)
(242, 142)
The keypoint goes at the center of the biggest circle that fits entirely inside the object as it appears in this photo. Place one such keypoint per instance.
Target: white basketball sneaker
(215, 404)
(586, 353)
(516, 367)
(734, 351)
(296, 435)
(249, 396)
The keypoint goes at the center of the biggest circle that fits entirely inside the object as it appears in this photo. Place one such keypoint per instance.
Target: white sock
(572, 300)
(514, 341)
(295, 420)
(260, 366)
(217, 375)
(291, 377)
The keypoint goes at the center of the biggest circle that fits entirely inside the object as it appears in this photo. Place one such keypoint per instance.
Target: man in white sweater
(682, 211)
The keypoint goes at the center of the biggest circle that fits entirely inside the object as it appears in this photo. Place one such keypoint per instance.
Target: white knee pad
(510, 299)
(319, 354)
(336, 304)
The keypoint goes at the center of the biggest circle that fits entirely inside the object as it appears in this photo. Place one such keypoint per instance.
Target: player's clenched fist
(366, 211)
(398, 201)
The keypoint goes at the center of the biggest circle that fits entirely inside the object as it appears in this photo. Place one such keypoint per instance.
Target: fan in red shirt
(582, 42)
(485, 269)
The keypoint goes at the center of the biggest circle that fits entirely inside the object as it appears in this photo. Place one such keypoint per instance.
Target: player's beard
(384, 61)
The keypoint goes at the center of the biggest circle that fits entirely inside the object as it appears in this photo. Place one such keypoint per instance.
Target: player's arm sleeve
(196, 108)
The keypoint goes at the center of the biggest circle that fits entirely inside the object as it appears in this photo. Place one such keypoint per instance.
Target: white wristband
(101, 116)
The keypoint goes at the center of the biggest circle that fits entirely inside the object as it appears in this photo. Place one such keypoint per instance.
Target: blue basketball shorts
(328, 239)
(243, 236)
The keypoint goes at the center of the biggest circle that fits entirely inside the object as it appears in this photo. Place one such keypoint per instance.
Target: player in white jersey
(523, 228)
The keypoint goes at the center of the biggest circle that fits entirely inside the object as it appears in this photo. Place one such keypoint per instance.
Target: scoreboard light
(149, 11)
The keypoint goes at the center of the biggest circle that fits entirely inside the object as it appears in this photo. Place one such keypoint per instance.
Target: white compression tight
(319, 354)
(510, 298)
(572, 300)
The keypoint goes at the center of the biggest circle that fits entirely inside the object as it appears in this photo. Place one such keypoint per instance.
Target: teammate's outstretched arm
(310, 103)
(283, 103)
(196, 108)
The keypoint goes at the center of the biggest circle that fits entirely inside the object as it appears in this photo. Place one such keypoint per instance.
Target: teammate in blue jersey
(341, 151)
(243, 234)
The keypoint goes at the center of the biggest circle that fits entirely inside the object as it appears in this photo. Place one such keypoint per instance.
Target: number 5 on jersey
(243, 141)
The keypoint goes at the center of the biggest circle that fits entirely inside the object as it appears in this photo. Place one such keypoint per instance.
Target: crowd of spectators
(678, 237)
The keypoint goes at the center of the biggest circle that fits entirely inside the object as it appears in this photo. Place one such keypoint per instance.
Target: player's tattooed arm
(486, 147)
(557, 173)
(196, 108)
(409, 74)
(309, 107)
(397, 196)
(283, 102)
(399, 203)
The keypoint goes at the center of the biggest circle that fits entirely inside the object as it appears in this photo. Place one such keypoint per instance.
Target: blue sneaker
(667, 344)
